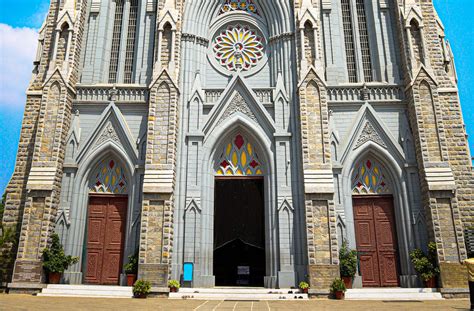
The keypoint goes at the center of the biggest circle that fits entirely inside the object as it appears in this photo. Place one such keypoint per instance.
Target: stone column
(156, 236)
(318, 186)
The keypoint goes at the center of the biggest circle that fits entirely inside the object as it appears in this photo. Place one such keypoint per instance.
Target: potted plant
(426, 265)
(141, 289)
(338, 288)
(173, 285)
(347, 264)
(131, 269)
(55, 261)
(304, 287)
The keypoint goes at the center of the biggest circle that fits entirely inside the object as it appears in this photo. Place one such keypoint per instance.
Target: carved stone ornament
(108, 133)
(369, 134)
(238, 104)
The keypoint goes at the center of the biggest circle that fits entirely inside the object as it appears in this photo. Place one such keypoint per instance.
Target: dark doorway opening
(239, 232)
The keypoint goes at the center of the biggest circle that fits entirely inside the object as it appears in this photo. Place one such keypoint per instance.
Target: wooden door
(105, 239)
(376, 241)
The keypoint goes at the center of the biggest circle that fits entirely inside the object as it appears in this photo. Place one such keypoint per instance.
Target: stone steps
(239, 293)
(393, 294)
(57, 290)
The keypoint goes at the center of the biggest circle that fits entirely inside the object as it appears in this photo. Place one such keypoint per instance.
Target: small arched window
(309, 43)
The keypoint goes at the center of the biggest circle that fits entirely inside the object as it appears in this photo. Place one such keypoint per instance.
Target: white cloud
(17, 52)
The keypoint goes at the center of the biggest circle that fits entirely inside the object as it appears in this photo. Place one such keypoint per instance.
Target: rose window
(238, 47)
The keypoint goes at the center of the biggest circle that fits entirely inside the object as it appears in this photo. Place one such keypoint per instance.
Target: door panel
(376, 241)
(105, 239)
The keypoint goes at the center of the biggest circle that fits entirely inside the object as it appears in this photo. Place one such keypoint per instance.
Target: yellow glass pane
(114, 179)
(250, 149)
(229, 149)
(259, 172)
(362, 171)
(374, 181)
(229, 172)
(376, 170)
(243, 159)
(104, 170)
(220, 172)
(249, 172)
(107, 179)
(367, 180)
(235, 159)
(239, 172)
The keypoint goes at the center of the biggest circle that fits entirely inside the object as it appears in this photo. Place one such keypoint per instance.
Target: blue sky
(20, 20)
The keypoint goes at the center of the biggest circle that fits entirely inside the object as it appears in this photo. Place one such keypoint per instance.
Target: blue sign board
(188, 272)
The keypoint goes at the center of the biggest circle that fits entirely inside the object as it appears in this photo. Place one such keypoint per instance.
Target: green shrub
(338, 286)
(141, 287)
(132, 266)
(173, 284)
(347, 261)
(54, 259)
(303, 285)
(426, 265)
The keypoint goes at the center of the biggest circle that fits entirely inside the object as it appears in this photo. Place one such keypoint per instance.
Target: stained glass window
(239, 158)
(109, 178)
(369, 178)
(238, 47)
(239, 5)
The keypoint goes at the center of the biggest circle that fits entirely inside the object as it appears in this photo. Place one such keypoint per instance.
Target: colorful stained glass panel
(239, 159)
(109, 178)
(239, 5)
(369, 178)
(238, 47)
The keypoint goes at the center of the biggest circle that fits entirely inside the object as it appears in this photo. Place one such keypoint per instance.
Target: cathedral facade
(241, 142)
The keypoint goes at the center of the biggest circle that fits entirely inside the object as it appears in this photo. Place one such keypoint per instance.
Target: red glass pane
(224, 164)
(239, 141)
(111, 164)
(369, 164)
(254, 164)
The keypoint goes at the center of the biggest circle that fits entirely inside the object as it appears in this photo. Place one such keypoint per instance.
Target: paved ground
(26, 302)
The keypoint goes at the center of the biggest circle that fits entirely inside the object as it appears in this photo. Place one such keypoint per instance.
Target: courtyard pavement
(27, 302)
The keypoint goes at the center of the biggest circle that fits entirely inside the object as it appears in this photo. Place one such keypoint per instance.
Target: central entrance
(239, 232)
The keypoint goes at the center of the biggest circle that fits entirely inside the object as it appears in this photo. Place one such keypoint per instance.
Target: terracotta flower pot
(54, 277)
(305, 290)
(339, 295)
(431, 283)
(131, 278)
(173, 290)
(347, 281)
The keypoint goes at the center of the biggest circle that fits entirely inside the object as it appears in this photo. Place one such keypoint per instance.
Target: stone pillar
(318, 186)
(33, 194)
(156, 236)
(441, 145)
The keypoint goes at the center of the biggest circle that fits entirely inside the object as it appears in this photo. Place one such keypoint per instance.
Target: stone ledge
(25, 288)
(454, 293)
(159, 292)
(318, 293)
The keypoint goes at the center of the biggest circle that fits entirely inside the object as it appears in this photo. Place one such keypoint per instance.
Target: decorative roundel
(238, 47)
(239, 5)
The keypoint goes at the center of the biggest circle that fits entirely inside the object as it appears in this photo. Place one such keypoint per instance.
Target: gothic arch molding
(78, 213)
(211, 146)
(396, 176)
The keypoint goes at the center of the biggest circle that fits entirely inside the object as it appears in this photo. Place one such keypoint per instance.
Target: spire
(197, 88)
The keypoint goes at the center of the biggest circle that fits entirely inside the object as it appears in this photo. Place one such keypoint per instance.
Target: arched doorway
(239, 218)
(106, 223)
(374, 223)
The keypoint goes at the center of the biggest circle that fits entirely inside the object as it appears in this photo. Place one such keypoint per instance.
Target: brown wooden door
(376, 241)
(105, 239)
